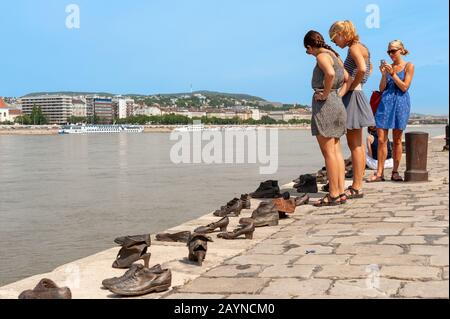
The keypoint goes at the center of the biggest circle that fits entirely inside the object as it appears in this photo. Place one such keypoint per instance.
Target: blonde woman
(359, 112)
(394, 109)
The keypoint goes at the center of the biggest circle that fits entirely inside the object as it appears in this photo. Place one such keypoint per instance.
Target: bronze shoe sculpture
(128, 241)
(198, 245)
(128, 255)
(284, 205)
(181, 237)
(265, 215)
(47, 289)
(245, 199)
(222, 224)
(246, 228)
(144, 281)
(232, 209)
(301, 200)
(107, 283)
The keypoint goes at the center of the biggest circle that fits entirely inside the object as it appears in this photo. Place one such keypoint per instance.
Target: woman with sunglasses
(394, 109)
(359, 112)
(328, 113)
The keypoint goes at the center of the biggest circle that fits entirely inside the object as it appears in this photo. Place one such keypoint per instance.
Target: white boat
(195, 128)
(88, 129)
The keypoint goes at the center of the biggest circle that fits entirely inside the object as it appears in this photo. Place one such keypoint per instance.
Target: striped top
(351, 67)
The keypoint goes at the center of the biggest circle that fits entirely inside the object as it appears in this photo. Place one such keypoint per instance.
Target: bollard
(416, 157)
(446, 147)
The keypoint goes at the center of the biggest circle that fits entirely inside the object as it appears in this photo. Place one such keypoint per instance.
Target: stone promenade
(393, 243)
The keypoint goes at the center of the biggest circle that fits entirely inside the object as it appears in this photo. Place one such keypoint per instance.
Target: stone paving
(393, 243)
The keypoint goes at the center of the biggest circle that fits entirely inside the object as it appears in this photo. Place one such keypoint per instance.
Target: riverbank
(396, 236)
(53, 129)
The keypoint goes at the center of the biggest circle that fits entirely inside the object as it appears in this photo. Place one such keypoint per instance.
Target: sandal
(328, 201)
(375, 178)
(396, 177)
(352, 193)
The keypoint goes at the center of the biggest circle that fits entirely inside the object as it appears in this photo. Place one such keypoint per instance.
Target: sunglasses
(392, 51)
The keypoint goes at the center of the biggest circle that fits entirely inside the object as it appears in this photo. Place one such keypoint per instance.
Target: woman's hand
(383, 69)
(319, 96)
(389, 69)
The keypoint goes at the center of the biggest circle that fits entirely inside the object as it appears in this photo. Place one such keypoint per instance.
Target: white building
(79, 107)
(7, 113)
(148, 110)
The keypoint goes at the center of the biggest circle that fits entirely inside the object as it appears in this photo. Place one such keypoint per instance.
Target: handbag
(375, 100)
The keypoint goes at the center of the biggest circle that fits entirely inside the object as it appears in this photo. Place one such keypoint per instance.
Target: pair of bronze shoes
(134, 248)
(198, 246)
(222, 224)
(234, 207)
(47, 289)
(140, 280)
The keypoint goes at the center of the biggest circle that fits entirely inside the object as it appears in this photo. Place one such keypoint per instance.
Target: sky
(236, 46)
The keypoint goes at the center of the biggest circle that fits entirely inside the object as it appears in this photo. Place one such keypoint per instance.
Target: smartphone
(382, 62)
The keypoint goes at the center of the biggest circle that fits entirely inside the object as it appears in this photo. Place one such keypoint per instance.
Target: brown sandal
(352, 193)
(375, 178)
(396, 177)
(328, 201)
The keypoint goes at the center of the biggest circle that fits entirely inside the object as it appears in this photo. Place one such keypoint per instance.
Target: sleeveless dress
(359, 112)
(395, 105)
(328, 117)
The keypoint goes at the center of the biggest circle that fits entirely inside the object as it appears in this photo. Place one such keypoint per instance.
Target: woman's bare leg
(382, 150)
(398, 148)
(354, 140)
(327, 146)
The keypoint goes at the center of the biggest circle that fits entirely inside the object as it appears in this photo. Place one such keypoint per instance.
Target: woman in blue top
(394, 109)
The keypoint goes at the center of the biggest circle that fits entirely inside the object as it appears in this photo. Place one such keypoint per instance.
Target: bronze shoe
(265, 215)
(107, 283)
(245, 199)
(222, 224)
(284, 205)
(246, 228)
(128, 241)
(128, 255)
(47, 289)
(302, 200)
(143, 281)
(232, 209)
(198, 245)
(182, 237)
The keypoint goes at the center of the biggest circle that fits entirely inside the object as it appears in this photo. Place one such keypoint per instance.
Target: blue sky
(240, 46)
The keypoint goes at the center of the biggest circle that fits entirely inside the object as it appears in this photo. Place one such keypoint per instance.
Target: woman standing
(328, 113)
(394, 109)
(359, 112)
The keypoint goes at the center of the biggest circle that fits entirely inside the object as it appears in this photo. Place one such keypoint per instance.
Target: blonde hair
(347, 29)
(399, 45)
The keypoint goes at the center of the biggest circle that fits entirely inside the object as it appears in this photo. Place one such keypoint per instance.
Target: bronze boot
(266, 215)
(198, 245)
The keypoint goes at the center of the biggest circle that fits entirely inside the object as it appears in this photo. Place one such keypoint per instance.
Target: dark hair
(315, 40)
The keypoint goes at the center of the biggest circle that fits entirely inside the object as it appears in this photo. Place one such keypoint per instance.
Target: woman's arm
(383, 81)
(406, 83)
(358, 57)
(326, 65)
(345, 86)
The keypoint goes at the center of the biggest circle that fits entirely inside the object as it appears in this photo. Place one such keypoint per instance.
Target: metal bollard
(446, 147)
(416, 157)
